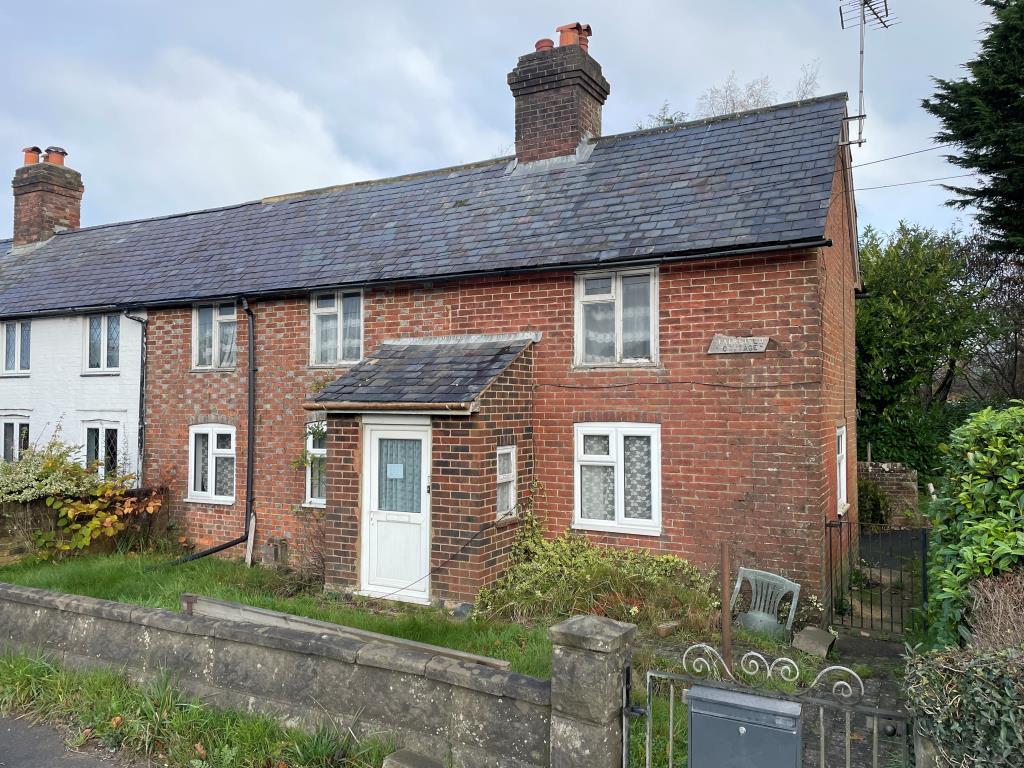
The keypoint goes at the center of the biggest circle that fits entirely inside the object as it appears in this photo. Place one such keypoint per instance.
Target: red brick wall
(743, 436)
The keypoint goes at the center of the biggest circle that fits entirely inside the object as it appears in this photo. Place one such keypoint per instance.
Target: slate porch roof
(442, 372)
(754, 179)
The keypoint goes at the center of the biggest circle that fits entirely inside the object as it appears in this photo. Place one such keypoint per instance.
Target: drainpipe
(250, 449)
(144, 323)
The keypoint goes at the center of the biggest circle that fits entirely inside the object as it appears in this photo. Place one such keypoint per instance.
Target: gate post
(588, 657)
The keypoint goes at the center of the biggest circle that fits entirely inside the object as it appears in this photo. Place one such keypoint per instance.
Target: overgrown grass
(149, 580)
(105, 709)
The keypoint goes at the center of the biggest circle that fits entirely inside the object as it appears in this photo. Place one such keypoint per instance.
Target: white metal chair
(767, 590)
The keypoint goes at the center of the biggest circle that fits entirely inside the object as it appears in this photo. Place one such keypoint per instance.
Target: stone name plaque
(733, 345)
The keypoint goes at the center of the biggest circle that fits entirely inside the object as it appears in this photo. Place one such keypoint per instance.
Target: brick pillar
(589, 658)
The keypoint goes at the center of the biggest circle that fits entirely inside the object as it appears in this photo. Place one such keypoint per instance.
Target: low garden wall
(468, 714)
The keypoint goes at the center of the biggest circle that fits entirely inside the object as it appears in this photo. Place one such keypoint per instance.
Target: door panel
(396, 550)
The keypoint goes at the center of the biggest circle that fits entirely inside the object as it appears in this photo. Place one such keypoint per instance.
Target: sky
(171, 107)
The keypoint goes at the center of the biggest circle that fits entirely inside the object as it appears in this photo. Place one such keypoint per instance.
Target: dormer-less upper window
(214, 336)
(17, 347)
(616, 318)
(336, 327)
(102, 343)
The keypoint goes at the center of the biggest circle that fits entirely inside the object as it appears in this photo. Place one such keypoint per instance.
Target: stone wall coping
(593, 633)
(496, 682)
(463, 674)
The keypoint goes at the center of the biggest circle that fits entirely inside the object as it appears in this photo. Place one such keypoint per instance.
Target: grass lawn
(101, 708)
(148, 580)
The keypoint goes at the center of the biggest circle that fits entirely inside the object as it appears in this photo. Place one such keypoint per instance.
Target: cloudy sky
(167, 107)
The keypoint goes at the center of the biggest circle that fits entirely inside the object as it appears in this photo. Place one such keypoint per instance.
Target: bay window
(211, 466)
(618, 477)
(336, 327)
(616, 318)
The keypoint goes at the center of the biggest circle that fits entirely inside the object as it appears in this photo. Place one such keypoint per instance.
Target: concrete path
(23, 745)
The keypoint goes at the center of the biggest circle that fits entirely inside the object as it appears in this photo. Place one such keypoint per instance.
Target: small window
(336, 328)
(618, 477)
(616, 318)
(506, 480)
(211, 476)
(842, 499)
(316, 464)
(15, 437)
(102, 441)
(214, 336)
(102, 343)
(17, 347)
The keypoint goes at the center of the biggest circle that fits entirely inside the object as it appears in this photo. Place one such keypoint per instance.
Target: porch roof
(440, 373)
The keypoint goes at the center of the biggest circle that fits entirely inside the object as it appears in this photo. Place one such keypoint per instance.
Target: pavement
(23, 745)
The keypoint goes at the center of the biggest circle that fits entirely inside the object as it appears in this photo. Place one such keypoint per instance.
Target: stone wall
(898, 485)
(443, 708)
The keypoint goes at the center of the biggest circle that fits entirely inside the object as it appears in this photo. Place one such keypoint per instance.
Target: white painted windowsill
(219, 502)
(612, 528)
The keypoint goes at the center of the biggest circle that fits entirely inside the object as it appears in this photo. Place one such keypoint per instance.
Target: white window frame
(615, 296)
(314, 453)
(18, 422)
(616, 432)
(19, 337)
(314, 311)
(212, 430)
(842, 472)
(215, 363)
(101, 449)
(104, 339)
(503, 479)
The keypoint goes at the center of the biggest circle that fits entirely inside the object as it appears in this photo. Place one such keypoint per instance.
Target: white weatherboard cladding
(59, 391)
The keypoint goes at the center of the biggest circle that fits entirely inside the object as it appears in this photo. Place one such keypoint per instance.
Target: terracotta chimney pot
(31, 155)
(54, 156)
(569, 34)
(544, 44)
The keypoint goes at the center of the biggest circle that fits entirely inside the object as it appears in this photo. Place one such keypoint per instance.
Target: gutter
(459, 409)
(144, 323)
(250, 453)
(631, 261)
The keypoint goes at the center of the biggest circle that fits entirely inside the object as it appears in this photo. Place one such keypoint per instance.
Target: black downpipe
(250, 448)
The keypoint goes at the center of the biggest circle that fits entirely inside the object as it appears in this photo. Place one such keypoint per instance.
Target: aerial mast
(864, 15)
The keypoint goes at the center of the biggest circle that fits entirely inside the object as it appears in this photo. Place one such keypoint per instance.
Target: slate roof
(760, 178)
(428, 372)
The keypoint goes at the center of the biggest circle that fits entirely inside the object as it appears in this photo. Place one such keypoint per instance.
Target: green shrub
(549, 579)
(971, 704)
(872, 503)
(978, 522)
(40, 473)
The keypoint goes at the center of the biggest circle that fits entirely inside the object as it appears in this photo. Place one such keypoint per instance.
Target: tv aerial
(864, 15)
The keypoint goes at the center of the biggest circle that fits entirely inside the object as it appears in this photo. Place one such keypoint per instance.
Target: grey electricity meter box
(732, 729)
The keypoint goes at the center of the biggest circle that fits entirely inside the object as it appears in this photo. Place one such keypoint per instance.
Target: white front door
(396, 512)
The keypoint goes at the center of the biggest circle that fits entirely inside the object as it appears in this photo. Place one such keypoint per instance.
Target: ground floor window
(101, 446)
(316, 464)
(506, 477)
(618, 477)
(211, 475)
(15, 437)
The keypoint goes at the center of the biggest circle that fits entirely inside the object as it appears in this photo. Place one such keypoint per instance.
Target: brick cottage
(650, 336)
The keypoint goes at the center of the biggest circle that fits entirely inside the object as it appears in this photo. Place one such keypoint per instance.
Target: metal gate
(836, 728)
(878, 575)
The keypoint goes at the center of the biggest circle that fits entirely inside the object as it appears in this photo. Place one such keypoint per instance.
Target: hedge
(971, 704)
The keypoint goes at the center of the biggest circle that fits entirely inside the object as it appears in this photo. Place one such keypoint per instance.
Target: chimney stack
(47, 196)
(559, 93)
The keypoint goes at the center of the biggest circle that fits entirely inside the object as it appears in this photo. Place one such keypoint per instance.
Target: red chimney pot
(31, 155)
(54, 156)
(544, 44)
(569, 34)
